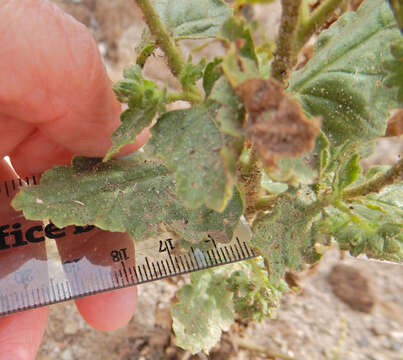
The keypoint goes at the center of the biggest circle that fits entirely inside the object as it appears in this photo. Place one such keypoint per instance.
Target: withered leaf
(277, 125)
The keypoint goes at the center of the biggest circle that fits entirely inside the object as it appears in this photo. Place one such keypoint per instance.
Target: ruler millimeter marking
(41, 264)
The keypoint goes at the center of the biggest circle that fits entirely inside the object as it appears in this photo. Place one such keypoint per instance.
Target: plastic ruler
(41, 264)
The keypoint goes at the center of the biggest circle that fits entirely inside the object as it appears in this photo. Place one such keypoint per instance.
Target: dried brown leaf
(277, 125)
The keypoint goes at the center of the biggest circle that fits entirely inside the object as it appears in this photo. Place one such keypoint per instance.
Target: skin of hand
(55, 101)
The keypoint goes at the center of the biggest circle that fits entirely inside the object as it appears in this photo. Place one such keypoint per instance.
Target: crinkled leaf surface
(255, 297)
(207, 305)
(373, 225)
(343, 80)
(133, 195)
(191, 73)
(143, 98)
(200, 146)
(192, 18)
(205, 308)
(284, 236)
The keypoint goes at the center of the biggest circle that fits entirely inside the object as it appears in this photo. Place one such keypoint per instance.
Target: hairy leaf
(207, 306)
(200, 146)
(349, 171)
(133, 195)
(371, 225)
(204, 310)
(293, 171)
(192, 18)
(284, 236)
(191, 73)
(254, 296)
(144, 99)
(145, 48)
(212, 73)
(343, 80)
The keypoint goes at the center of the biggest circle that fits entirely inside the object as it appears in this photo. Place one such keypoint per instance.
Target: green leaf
(349, 172)
(145, 48)
(192, 19)
(343, 80)
(284, 236)
(204, 310)
(241, 61)
(395, 69)
(293, 171)
(144, 100)
(371, 225)
(200, 145)
(190, 73)
(207, 306)
(212, 73)
(254, 296)
(271, 186)
(131, 194)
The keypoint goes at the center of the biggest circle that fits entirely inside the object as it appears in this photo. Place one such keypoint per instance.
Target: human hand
(55, 101)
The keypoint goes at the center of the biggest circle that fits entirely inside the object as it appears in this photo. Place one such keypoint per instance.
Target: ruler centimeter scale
(41, 264)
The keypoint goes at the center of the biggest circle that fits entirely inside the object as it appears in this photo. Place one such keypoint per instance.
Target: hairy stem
(175, 58)
(250, 176)
(285, 55)
(176, 61)
(392, 176)
(183, 96)
(318, 17)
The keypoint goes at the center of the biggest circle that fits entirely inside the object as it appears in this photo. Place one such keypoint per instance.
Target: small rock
(350, 286)
(71, 328)
(395, 346)
(363, 342)
(67, 355)
(380, 328)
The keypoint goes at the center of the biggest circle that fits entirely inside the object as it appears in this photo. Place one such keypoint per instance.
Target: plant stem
(315, 20)
(184, 96)
(285, 55)
(250, 176)
(392, 176)
(175, 58)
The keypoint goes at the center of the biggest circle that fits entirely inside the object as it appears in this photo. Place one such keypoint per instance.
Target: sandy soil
(312, 322)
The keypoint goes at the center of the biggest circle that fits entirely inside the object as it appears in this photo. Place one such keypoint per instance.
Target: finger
(110, 310)
(93, 252)
(53, 77)
(38, 153)
(15, 249)
(21, 334)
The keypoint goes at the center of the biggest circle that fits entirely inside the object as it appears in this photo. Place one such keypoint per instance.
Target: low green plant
(259, 138)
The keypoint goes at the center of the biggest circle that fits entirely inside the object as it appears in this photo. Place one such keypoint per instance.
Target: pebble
(67, 355)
